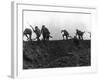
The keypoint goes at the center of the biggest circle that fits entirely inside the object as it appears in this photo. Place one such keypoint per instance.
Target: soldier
(79, 34)
(37, 32)
(27, 32)
(65, 33)
(45, 32)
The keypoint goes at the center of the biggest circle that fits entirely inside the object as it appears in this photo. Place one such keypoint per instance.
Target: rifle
(32, 28)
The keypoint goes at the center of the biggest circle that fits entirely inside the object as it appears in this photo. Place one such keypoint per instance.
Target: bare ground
(57, 53)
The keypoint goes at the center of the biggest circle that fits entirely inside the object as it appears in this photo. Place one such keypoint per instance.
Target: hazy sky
(55, 22)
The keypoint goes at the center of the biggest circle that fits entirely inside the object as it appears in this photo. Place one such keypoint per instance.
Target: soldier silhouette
(79, 34)
(27, 32)
(37, 32)
(65, 33)
(45, 32)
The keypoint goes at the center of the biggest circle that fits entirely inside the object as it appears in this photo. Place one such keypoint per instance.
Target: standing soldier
(45, 32)
(37, 32)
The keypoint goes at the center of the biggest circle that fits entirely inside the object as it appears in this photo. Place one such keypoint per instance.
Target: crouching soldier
(27, 32)
(65, 33)
(45, 32)
(37, 32)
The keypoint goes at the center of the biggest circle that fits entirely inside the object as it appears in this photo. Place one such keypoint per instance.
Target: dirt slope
(58, 53)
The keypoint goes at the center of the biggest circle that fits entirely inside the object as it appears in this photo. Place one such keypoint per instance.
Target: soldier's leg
(38, 38)
(82, 37)
(30, 37)
(27, 36)
(63, 36)
(79, 37)
(47, 37)
(66, 37)
(44, 37)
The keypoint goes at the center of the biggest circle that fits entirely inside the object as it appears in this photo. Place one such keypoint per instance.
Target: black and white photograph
(56, 39)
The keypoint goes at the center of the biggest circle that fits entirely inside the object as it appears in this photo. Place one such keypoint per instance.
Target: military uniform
(45, 32)
(38, 33)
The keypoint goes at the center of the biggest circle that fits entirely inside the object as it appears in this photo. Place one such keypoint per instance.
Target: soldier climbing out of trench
(79, 34)
(65, 34)
(37, 32)
(28, 33)
(45, 32)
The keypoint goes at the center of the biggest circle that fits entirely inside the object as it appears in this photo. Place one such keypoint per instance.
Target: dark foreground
(52, 54)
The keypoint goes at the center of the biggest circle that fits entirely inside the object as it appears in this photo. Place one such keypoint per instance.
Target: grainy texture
(58, 53)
